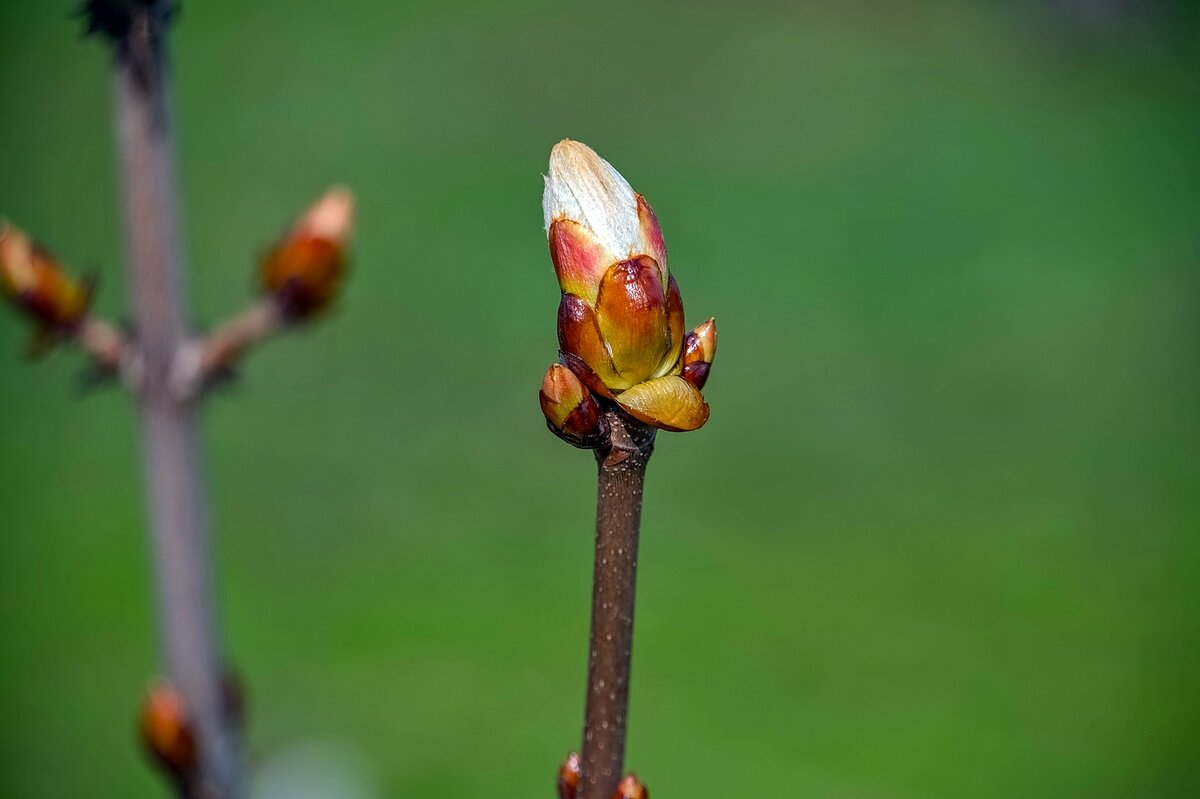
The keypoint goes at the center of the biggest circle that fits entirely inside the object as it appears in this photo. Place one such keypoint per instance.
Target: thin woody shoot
(628, 367)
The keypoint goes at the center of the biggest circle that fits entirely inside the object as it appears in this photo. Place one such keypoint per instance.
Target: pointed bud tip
(15, 254)
(560, 385)
(572, 160)
(330, 217)
(631, 788)
(582, 186)
(569, 775)
(699, 349)
(569, 148)
(706, 340)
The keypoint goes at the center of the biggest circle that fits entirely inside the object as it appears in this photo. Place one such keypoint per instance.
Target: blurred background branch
(177, 504)
(208, 359)
(190, 722)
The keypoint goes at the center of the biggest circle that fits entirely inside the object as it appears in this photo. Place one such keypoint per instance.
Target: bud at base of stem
(631, 788)
(571, 412)
(569, 775)
(166, 731)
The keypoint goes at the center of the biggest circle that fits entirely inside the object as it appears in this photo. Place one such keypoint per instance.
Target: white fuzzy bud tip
(331, 217)
(584, 187)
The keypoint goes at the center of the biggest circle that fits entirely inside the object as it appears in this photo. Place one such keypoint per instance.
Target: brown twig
(105, 344)
(230, 340)
(202, 361)
(621, 474)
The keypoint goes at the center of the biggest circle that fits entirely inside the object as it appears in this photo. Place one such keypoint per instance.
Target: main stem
(170, 446)
(622, 473)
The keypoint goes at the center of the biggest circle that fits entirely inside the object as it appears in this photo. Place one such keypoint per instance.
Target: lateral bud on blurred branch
(57, 303)
(305, 269)
(300, 277)
(36, 282)
(166, 732)
(620, 319)
(631, 788)
(569, 775)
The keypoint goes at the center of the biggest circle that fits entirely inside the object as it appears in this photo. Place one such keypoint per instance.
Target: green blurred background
(939, 539)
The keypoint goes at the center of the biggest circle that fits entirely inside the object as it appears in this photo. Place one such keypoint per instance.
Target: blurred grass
(939, 538)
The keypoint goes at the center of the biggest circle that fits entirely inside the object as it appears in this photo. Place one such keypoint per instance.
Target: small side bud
(699, 347)
(166, 732)
(631, 788)
(571, 412)
(305, 269)
(569, 775)
(35, 282)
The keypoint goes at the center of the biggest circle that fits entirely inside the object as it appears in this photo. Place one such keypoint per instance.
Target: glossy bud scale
(33, 280)
(305, 269)
(165, 730)
(569, 407)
